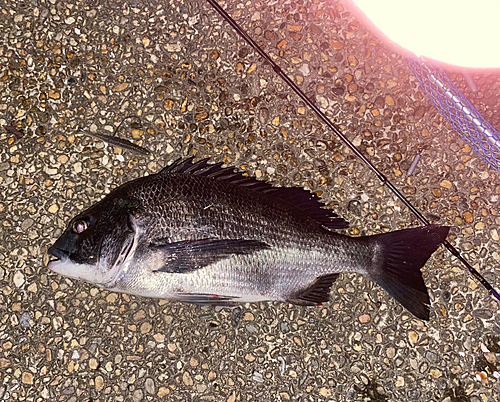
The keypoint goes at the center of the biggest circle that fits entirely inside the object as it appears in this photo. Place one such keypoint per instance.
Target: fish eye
(80, 226)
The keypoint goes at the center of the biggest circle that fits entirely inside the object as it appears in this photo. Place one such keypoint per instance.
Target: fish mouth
(59, 259)
(58, 254)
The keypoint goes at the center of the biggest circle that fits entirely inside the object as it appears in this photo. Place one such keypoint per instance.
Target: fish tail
(400, 256)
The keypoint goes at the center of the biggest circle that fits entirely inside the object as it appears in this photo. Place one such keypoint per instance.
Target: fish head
(98, 244)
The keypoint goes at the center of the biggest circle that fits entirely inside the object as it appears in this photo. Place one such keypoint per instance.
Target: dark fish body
(204, 234)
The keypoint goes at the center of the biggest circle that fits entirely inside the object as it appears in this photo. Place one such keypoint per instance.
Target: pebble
(145, 327)
(138, 395)
(27, 378)
(390, 352)
(446, 184)
(25, 320)
(365, 318)
(162, 392)
(412, 338)
(99, 383)
(18, 279)
(186, 379)
(53, 208)
(258, 377)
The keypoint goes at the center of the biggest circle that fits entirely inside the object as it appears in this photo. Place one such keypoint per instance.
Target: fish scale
(204, 234)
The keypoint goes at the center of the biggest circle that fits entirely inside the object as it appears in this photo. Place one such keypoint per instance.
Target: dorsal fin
(299, 198)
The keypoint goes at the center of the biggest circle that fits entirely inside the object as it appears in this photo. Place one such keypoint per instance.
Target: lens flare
(459, 32)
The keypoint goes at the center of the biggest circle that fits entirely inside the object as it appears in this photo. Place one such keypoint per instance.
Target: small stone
(390, 352)
(325, 392)
(27, 223)
(18, 279)
(479, 226)
(4, 363)
(249, 317)
(250, 357)
(186, 379)
(468, 217)
(494, 234)
(25, 320)
(136, 134)
(120, 87)
(53, 208)
(436, 373)
(149, 385)
(27, 378)
(193, 362)
(364, 318)
(159, 338)
(419, 113)
(45, 393)
(446, 184)
(168, 104)
(138, 395)
(173, 47)
(437, 192)
(276, 121)
(139, 315)
(256, 376)
(145, 41)
(93, 364)
(162, 392)
(62, 159)
(99, 383)
(145, 327)
(297, 340)
(352, 61)
(294, 28)
(336, 45)
(400, 381)
(389, 100)
(304, 69)
(111, 298)
(412, 338)
(54, 94)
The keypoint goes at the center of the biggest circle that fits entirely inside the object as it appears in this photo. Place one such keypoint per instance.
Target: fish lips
(58, 253)
(61, 259)
(63, 265)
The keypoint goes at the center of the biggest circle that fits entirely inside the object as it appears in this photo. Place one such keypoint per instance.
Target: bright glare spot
(459, 32)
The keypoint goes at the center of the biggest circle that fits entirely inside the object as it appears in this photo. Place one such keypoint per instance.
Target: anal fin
(315, 293)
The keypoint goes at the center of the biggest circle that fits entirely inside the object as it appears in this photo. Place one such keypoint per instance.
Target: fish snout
(58, 253)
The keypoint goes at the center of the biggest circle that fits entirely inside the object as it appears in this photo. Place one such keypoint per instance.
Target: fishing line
(346, 141)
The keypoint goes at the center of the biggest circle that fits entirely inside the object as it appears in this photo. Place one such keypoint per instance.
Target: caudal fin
(402, 254)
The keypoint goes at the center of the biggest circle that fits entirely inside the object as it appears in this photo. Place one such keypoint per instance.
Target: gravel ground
(199, 89)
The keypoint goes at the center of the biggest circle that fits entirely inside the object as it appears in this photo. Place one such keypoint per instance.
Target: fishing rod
(346, 141)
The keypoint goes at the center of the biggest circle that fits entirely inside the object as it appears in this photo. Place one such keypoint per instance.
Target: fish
(206, 234)
(117, 141)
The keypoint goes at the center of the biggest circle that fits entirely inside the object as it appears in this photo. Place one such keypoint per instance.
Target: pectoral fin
(189, 255)
(202, 299)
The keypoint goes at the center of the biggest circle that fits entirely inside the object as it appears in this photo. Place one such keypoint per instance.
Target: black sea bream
(203, 234)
